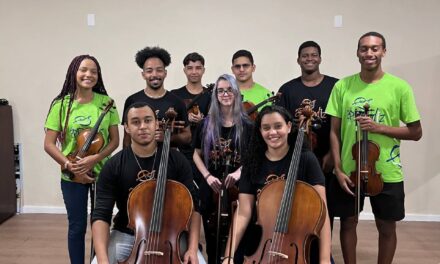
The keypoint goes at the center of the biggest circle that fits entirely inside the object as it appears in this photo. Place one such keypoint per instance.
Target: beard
(155, 83)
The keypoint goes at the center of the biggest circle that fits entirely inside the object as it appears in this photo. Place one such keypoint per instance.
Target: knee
(386, 228)
(348, 224)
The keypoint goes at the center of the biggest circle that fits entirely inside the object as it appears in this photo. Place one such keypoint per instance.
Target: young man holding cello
(390, 101)
(134, 165)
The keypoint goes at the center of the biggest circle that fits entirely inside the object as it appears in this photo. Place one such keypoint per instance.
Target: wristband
(207, 176)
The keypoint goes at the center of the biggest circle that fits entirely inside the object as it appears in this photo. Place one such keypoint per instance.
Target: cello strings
(287, 204)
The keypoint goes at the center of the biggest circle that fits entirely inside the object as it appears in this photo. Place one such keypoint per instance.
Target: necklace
(155, 96)
(145, 175)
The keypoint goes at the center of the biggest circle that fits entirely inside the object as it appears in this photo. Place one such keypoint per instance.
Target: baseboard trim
(32, 209)
(408, 217)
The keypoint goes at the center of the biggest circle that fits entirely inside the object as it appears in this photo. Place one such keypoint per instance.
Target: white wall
(38, 39)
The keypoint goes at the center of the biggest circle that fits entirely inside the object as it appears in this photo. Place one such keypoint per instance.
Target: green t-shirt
(82, 116)
(256, 94)
(391, 101)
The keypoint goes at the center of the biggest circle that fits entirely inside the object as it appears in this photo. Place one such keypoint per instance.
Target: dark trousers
(75, 197)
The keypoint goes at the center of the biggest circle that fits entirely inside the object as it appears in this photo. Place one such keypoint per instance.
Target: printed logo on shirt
(358, 108)
(394, 156)
(79, 123)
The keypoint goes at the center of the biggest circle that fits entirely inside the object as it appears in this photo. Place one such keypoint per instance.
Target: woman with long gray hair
(219, 144)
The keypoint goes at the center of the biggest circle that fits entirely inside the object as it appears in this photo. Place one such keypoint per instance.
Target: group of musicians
(265, 174)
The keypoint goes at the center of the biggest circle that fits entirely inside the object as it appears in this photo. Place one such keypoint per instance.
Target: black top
(292, 95)
(217, 155)
(203, 102)
(309, 171)
(217, 158)
(119, 176)
(160, 105)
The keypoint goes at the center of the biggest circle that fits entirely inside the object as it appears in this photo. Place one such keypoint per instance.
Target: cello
(367, 182)
(290, 212)
(159, 212)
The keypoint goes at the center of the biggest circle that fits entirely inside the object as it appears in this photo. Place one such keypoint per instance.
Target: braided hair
(69, 88)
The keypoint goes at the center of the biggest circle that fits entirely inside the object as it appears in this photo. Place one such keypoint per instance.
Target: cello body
(159, 244)
(292, 246)
(159, 212)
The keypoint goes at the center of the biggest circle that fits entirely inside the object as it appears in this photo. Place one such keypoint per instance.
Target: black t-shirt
(160, 105)
(292, 95)
(119, 176)
(309, 171)
(203, 102)
(217, 156)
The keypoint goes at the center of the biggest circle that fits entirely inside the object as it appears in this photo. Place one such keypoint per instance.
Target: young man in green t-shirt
(243, 68)
(391, 101)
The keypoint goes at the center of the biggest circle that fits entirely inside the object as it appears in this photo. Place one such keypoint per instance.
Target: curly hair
(152, 52)
(69, 88)
(257, 146)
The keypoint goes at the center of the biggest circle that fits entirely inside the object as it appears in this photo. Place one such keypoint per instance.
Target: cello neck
(159, 195)
(285, 211)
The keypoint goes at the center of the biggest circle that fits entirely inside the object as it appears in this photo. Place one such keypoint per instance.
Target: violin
(366, 152)
(252, 109)
(159, 212)
(192, 106)
(88, 142)
(307, 105)
(290, 212)
(221, 218)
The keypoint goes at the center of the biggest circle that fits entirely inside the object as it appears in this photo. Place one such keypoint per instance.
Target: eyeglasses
(238, 66)
(222, 91)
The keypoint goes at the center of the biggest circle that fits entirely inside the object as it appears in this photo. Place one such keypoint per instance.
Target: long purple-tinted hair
(213, 123)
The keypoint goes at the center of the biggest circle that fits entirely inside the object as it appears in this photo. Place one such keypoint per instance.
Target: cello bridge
(278, 254)
(153, 253)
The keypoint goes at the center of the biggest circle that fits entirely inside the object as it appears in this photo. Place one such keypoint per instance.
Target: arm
(212, 181)
(50, 147)
(411, 131)
(194, 234)
(232, 178)
(183, 137)
(100, 232)
(335, 146)
(327, 162)
(325, 240)
(241, 220)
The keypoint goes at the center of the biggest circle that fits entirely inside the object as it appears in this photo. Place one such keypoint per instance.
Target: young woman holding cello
(78, 108)
(219, 145)
(270, 154)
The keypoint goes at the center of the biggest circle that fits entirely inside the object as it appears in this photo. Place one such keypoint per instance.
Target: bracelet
(228, 257)
(207, 176)
(66, 163)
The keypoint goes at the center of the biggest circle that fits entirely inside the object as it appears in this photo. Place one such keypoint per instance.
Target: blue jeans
(75, 197)
(120, 245)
